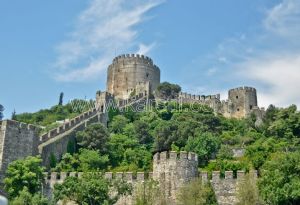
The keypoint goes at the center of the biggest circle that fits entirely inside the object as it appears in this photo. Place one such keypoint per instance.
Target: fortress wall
(57, 145)
(128, 71)
(135, 179)
(226, 188)
(67, 126)
(172, 170)
(58, 177)
(17, 140)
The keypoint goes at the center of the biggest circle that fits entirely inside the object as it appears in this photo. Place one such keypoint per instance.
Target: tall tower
(132, 74)
(172, 171)
(242, 101)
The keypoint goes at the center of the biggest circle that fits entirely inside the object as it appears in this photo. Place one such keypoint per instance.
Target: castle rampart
(17, 140)
(132, 74)
(170, 163)
(172, 171)
(241, 102)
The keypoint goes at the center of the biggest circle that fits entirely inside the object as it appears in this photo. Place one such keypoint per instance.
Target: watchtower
(172, 171)
(241, 101)
(131, 74)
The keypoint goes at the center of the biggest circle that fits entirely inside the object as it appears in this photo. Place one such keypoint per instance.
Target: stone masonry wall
(130, 73)
(17, 140)
(241, 102)
(225, 188)
(57, 146)
(172, 171)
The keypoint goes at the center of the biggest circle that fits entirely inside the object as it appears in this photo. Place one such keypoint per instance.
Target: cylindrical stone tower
(132, 74)
(242, 101)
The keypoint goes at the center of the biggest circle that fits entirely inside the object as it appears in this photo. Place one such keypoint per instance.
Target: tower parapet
(172, 170)
(242, 101)
(131, 74)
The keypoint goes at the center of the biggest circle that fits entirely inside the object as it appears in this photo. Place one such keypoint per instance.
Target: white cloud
(145, 49)
(268, 60)
(284, 18)
(281, 74)
(211, 71)
(104, 28)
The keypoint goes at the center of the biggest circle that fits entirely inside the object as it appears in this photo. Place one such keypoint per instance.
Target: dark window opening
(238, 109)
(251, 107)
(147, 75)
(237, 97)
(102, 108)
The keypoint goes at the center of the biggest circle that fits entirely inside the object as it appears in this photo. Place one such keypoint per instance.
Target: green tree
(118, 124)
(53, 160)
(204, 144)
(225, 152)
(286, 123)
(90, 189)
(13, 115)
(95, 136)
(248, 192)
(167, 90)
(148, 193)
(165, 134)
(1, 112)
(280, 180)
(85, 160)
(26, 198)
(118, 144)
(142, 132)
(196, 193)
(61, 98)
(68, 163)
(24, 173)
(91, 160)
(260, 151)
(71, 147)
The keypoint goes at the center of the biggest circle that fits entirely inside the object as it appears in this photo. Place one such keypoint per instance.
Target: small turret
(242, 101)
(172, 171)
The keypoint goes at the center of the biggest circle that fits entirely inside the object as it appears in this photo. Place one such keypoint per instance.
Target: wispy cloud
(269, 59)
(104, 28)
(284, 18)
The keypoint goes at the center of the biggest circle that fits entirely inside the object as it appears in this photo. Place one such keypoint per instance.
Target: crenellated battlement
(203, 98)
(225, 187)
(20, 125)
(131, 177)
(163, 157)
(217, 176)
(67, 126)
(137, 57)
(243, 88)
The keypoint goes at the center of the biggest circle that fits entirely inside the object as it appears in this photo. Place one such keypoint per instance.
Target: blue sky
(206, 46)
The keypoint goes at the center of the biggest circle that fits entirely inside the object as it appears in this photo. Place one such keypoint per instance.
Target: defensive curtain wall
(19, 140)
(241, 102)
(171, 170)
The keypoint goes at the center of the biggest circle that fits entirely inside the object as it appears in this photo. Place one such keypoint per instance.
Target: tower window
(147, 75)
(238, 109)
(237, 97)
(251, 107)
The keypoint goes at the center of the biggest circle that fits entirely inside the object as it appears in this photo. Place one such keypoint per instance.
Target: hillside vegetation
(131, 139)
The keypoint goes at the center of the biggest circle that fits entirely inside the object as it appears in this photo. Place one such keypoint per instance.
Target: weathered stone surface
(17, 141)
(241, 102)
(132, 73)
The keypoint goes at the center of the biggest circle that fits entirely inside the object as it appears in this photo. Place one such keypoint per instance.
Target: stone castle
(130, 79)
(135, 76)
(171, 170)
